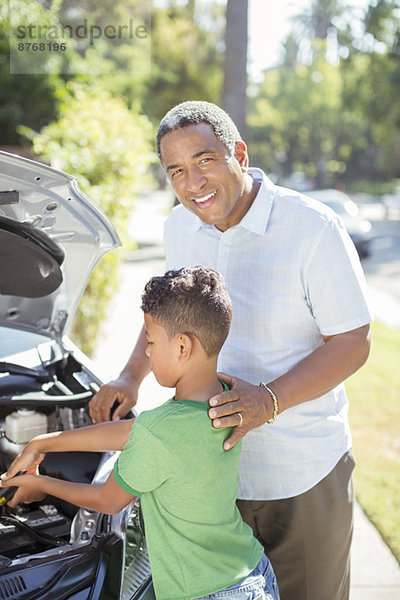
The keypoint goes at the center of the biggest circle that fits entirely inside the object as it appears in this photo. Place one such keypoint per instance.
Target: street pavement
(375, 571)
(382, 267)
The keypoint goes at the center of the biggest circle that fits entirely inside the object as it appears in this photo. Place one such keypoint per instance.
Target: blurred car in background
(391, 203)
(359, 229)
(297, 180)
(51, 238)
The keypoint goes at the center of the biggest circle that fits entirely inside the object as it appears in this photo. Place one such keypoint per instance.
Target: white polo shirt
(293, 275)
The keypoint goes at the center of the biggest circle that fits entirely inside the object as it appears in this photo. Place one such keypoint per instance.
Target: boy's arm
(107, 497)
(95, 438)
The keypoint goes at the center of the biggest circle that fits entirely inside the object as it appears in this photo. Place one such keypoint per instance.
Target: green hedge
(108, 148)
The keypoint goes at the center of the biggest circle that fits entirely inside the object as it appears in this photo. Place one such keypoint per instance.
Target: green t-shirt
(196, 539)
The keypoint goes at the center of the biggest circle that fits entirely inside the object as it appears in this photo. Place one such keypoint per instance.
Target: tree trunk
(234, 98)
(191, 8)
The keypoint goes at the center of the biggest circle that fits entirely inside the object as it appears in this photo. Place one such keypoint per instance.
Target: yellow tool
(9, 492)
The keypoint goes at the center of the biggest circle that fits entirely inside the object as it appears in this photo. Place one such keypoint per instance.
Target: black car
(51, 237)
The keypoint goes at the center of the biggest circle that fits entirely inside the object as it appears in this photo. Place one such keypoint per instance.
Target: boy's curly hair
(192, 300)
(194, 112)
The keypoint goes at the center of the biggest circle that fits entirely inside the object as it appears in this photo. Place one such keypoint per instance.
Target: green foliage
(375, 433)
(108, 148)
(373, 188)
(372, 82)
(335, 117)
(24, 100)
(297, 111)
(186, 59)
(183, 62)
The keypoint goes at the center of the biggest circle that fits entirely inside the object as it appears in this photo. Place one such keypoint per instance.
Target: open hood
(51, 237)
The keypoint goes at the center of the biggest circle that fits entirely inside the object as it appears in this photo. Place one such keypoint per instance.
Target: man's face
(207, 180)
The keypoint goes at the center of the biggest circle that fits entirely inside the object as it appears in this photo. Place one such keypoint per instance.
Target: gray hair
(194, 112)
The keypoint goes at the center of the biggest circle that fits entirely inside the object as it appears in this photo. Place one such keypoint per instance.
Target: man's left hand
(245, 406)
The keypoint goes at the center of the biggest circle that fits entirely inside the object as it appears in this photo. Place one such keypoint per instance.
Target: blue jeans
(260, 584)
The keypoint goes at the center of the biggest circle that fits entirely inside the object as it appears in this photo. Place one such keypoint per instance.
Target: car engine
(33, 402)
(33, 537)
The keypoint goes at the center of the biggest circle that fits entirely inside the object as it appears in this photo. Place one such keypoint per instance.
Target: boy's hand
(28, 491)
(244, 406)
(28, 460)
(123, 390)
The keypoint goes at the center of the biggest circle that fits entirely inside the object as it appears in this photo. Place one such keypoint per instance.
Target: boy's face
(161, 351)
(207, 180)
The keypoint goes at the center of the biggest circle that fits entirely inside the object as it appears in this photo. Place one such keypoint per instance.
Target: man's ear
(241, 155)
(184, 346)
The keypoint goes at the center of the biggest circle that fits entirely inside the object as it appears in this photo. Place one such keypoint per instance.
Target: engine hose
(43, 538)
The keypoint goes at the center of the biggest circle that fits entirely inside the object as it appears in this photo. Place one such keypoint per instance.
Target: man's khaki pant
(307, 538)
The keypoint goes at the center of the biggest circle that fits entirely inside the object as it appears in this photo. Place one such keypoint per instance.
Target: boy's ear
(184, 345)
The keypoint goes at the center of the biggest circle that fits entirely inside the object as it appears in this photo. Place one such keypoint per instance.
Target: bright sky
(269, 23)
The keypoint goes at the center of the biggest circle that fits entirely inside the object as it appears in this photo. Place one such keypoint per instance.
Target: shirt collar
(256, 218)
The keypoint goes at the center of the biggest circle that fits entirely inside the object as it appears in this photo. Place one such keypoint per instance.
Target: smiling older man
(300, 328)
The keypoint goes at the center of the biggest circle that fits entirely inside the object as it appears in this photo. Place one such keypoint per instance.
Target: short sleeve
(144, 463)
(335, 282)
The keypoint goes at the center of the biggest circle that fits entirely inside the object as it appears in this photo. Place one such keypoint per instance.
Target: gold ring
(241, 418)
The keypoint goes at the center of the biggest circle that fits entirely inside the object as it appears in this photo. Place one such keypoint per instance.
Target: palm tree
(191, 8)
(290, 50)
(235, 65)
(320, 18)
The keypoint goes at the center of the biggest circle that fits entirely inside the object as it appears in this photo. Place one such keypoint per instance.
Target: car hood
(51, 237)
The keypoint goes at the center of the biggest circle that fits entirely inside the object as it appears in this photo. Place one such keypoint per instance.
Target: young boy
(171, 456)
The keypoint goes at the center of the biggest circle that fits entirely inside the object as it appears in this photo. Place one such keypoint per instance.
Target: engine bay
(34, 401)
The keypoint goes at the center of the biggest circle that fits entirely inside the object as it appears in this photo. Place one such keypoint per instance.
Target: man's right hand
(123, 390)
